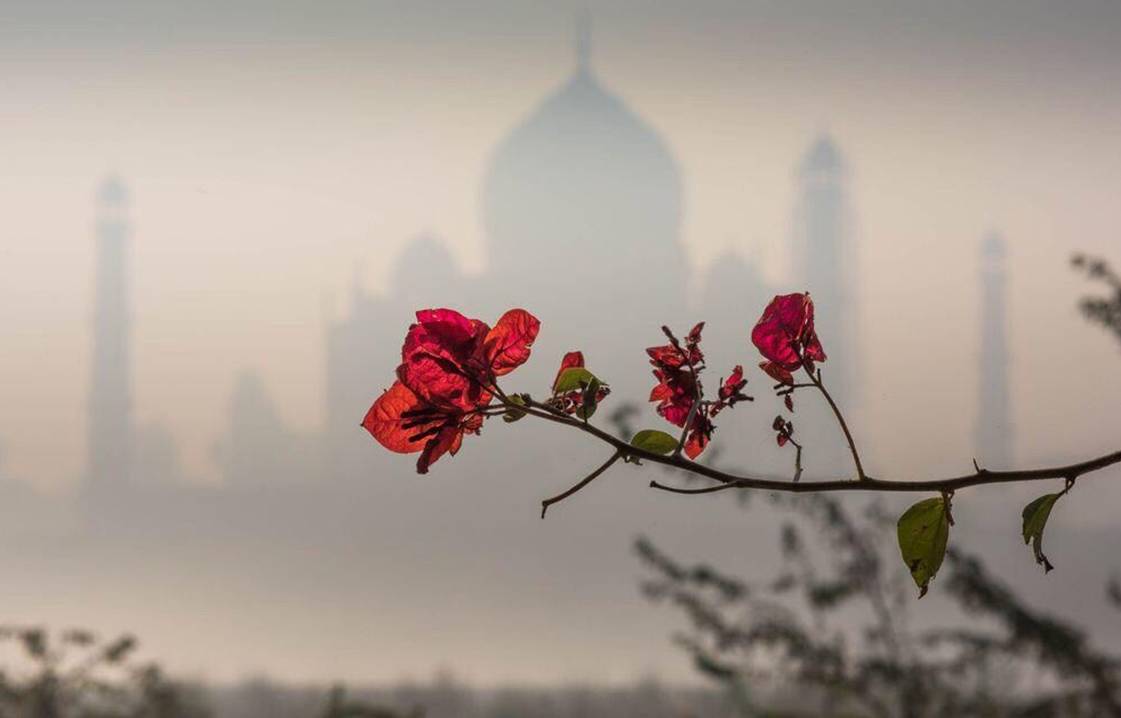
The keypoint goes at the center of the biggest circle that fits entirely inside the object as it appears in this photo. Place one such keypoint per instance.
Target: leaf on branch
(924, 531)
(1035, 520)
(654, 441)
(572, 379)
(590, 399)
(512, 413)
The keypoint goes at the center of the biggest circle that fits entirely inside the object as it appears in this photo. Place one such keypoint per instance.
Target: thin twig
(816, 379)
(587, 480)
(705, 490)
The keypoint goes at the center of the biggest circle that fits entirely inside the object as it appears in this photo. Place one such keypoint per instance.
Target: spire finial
(584, 40)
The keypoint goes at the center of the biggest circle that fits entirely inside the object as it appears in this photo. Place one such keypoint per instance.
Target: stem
(840, 420)
(692, 409)
(587, 480)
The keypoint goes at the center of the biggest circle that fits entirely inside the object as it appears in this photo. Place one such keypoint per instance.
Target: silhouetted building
(110, 425)
(825, 262)
(259, 447)
(582, 210)
(733, 294)
(994, 423)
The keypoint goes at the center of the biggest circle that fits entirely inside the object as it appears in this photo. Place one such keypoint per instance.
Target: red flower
(785, 336)
(572, 401)
(675, 392)
(446, 378)
(449, 358)
(676, 367)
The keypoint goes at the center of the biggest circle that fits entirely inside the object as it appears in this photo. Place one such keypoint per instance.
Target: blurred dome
(583, 175)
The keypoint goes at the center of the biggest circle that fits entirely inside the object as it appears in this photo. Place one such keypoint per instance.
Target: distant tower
(825, 262)
(994, 423)
(110, 403)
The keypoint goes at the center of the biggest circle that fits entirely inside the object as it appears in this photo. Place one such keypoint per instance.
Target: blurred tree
(1001, 658)
(338, 706)
(1101, 310)
(801, 630)
(75, 674)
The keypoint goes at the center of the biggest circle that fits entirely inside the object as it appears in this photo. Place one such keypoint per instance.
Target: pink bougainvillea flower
(786, 338)
(675, 393)
(441, 360)
(676, 367)
(450, 358)
(446, 378)
(403, 422)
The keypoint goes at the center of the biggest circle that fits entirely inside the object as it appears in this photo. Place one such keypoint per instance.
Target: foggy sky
(276, 150)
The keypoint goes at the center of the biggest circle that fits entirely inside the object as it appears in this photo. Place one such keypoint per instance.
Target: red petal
(385, 423)
(812, 348)
(448, 326)
(777, 372)
(507, 345)
(438, 358)
(571, 361)
(695, 444)
(661, 392)
(666, 356)
(448, 439)
(733, 384)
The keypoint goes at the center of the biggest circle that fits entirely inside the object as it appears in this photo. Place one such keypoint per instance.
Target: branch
(980, 477)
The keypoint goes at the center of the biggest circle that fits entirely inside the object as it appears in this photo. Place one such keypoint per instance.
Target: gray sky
(272, 148)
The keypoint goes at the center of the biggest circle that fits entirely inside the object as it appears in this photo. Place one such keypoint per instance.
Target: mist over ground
(220, 218)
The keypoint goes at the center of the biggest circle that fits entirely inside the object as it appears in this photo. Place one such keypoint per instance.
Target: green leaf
(572, 379)
(654, 441)
(924, 531)
(590, 401)
(1035, 520)
(512, 413)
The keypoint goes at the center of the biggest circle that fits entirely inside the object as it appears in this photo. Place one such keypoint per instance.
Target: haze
(278, 156)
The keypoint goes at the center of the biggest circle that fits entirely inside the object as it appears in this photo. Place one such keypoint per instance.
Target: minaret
(825, 265)
(584, 42)
(110, 402)
(994, 421)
